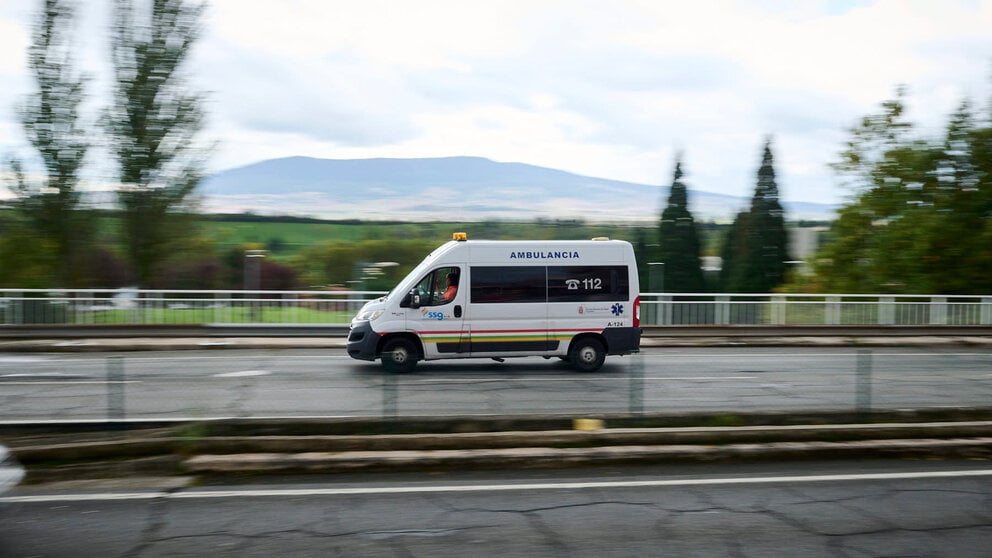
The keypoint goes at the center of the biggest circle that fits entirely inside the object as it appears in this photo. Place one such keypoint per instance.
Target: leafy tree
(756, 250)
(153, 122)
(50, 119)
(921, 219)
(679, 241)
(339, 262)
(26, 259)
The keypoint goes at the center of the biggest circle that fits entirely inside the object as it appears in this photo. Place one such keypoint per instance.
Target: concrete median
(259, 448)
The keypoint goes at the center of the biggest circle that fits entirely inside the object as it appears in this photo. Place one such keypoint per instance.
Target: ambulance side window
(433, 286)
(494, 285)
(588, 283)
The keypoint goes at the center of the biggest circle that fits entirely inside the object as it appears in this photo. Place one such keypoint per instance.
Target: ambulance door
(509, 311)
(588, 298)
(435, 311)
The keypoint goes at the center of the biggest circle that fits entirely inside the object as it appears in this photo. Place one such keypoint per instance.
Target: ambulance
(575, 300)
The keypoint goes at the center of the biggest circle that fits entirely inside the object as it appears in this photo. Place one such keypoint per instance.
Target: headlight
(368, 316)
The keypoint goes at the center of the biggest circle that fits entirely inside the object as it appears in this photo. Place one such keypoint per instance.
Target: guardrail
(163, 307)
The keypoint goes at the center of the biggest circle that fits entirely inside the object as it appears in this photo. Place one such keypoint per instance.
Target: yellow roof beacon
(459, 236)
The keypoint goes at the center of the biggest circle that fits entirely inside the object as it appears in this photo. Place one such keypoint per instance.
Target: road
(254, 383)
(810, 509)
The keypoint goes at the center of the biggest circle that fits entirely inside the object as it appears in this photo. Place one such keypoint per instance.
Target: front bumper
(362, 341)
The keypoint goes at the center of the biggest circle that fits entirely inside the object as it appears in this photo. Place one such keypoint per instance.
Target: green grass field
(287, 238)
(216, 315)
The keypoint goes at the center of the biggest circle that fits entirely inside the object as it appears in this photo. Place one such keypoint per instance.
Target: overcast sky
(610, 88)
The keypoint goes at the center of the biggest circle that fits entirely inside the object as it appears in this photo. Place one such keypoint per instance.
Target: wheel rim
(399, 355)
(587, 355)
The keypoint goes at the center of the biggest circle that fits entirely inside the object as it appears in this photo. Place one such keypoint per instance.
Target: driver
(452, 289)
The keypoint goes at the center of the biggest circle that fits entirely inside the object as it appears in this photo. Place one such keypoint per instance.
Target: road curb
(144, 446)
(542, 458)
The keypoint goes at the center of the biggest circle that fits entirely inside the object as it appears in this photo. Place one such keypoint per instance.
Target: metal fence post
(863, 403)
(667, 310)
(115, 388)
(778, 310)
(832, 314)
(887, 310)
(722, 310)
(635, 402)
(656, 284)
(938, 310)
(390, 395)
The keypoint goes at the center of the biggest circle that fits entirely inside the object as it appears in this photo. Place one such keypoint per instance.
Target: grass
(217, 314)
(287, 238)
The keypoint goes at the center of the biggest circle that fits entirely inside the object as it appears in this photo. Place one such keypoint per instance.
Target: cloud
(339, 102)
(605, 88)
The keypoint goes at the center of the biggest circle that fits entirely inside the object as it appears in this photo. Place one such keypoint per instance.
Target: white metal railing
(151, 307)
(139, 306)
(815, 309)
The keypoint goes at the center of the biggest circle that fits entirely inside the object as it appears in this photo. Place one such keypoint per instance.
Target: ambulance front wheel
(587, 354)
(399, 355)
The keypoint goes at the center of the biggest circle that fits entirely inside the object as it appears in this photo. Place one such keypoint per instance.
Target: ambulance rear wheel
(399, 356)
(587, 354)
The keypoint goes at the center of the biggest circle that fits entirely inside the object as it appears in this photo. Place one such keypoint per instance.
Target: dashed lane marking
(242, 374)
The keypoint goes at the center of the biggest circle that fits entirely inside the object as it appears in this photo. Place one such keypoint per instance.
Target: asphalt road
(325, 382)
(807, 509)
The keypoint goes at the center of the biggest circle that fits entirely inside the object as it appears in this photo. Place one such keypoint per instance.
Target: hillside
(462, 188)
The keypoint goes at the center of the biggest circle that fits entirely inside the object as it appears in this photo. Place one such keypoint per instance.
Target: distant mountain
(451, 188)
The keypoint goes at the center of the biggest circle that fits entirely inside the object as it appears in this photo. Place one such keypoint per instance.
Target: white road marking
(21, 359)
(290, 492)
(69, 382)
(725, 356)
(694, 378)
(236, 356)
(40, 375)
(572, 379)
(242, 374)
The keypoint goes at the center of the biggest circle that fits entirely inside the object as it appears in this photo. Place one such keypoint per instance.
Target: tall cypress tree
(679, 241)
(734, 253)
(756, 249)
(770, 256)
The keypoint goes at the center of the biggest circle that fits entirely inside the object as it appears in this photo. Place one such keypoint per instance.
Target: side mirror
(411, 300)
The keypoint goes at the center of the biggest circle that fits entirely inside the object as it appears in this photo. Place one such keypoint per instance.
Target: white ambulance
(576, 300)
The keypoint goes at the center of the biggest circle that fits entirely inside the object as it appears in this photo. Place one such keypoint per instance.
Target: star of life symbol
(617, 309)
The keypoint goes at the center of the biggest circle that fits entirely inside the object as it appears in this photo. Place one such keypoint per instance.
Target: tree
(153, 123)
(679, 245)
(734, 253)
(919, 221)
(756, 249)
(50, 119)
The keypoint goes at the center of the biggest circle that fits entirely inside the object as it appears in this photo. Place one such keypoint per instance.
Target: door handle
(458, 310)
